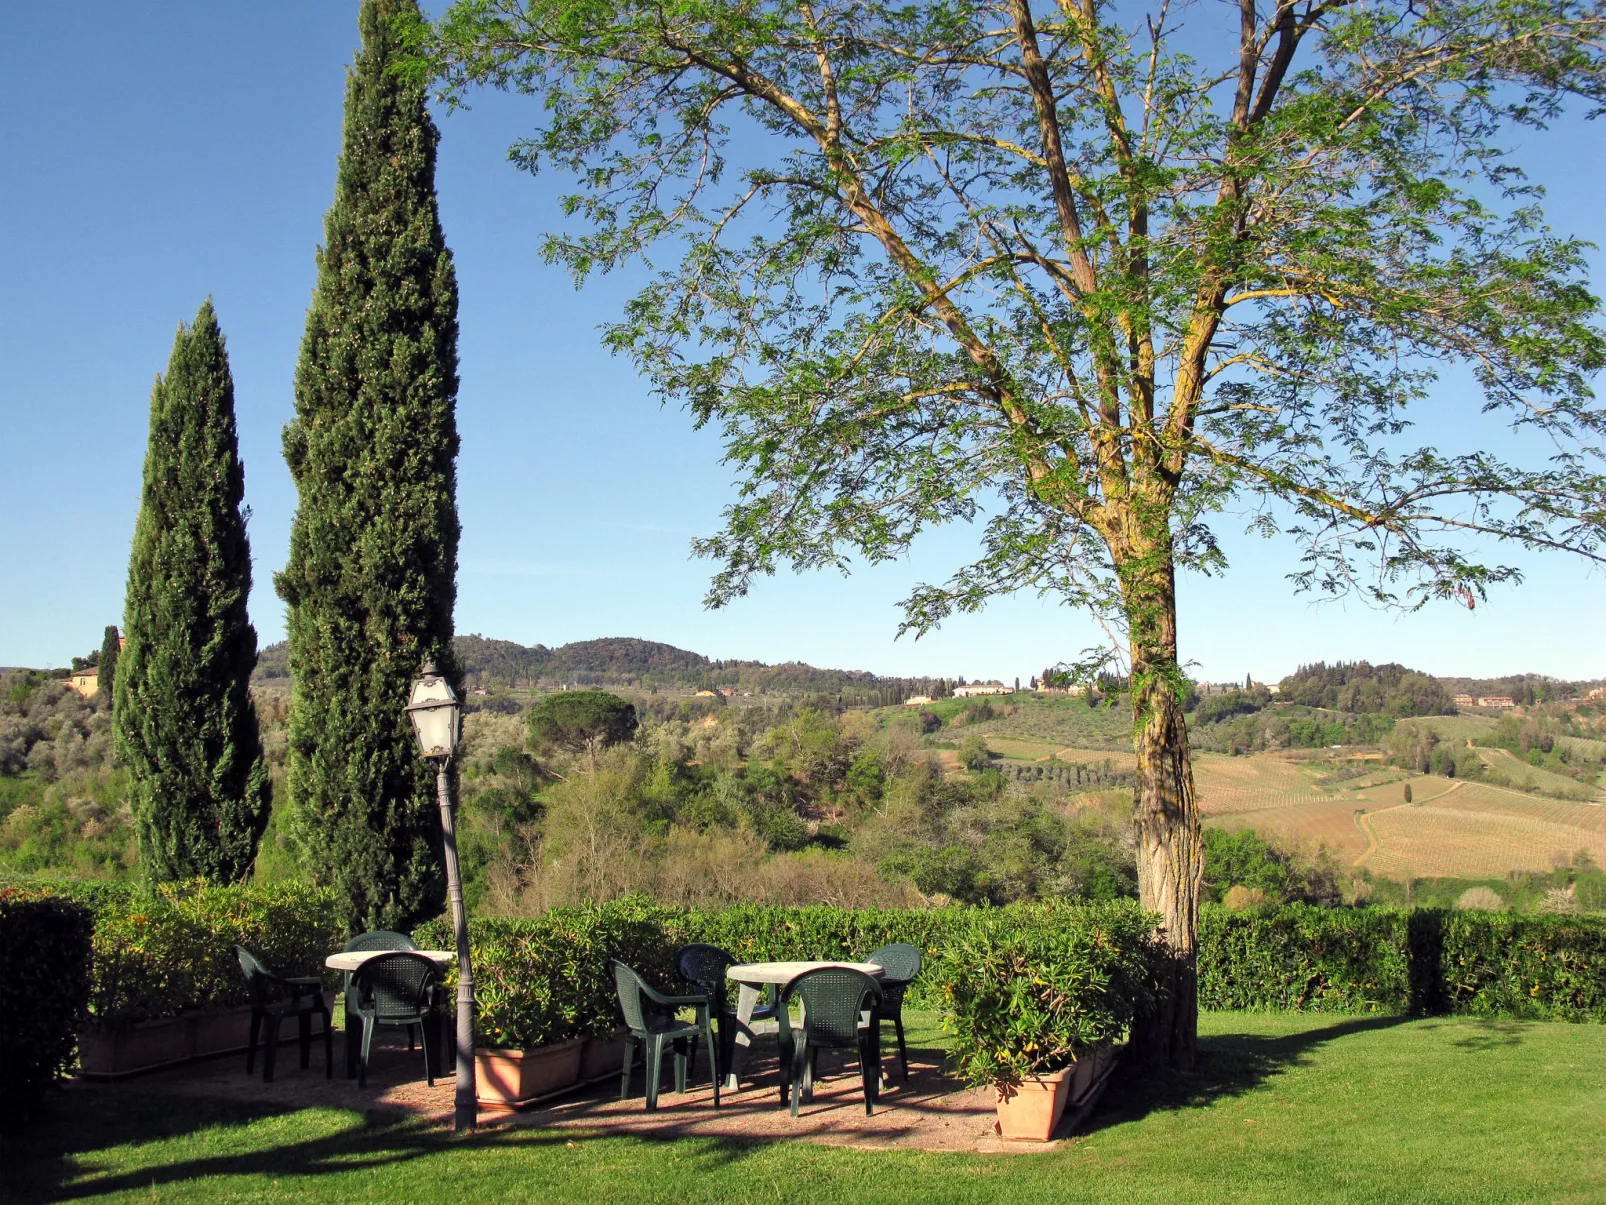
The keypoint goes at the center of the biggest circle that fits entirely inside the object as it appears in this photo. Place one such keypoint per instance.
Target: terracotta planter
(103, 1053)
(225, 1031)
(515, 1077)
(603, 1056)
(1030, 1111)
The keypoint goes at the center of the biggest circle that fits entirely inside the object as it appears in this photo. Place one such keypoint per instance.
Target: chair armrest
(673, 1001)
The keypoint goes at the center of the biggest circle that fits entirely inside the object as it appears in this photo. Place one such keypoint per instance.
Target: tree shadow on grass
(1229, 1065)
(57, 1158)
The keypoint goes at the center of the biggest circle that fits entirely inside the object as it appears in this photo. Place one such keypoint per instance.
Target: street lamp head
(433, 708)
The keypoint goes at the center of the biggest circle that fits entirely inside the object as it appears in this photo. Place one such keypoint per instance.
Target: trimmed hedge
(1426, 961)
(44, 990)
(159, 954)
(544, 979)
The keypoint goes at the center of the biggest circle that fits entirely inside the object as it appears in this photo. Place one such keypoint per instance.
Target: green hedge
(157, 954)
(44, 990)
(545, 979)
(1425, 961)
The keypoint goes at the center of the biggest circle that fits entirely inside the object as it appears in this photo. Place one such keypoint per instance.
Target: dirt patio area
(930, 1112)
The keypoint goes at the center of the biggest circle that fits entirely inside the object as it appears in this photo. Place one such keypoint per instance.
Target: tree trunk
(1170, 851)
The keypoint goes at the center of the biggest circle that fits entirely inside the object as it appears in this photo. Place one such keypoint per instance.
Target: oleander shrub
(44, 990)
(1027, 990)
(1303, 958)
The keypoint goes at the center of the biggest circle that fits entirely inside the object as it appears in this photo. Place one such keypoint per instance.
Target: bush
(1488, 964)
(1302, 958)
(44, 989)
(1026, 991)
(158, 954)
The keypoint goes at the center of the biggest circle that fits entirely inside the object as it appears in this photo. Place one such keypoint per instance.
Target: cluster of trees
(1358, 687)
(585, 797)
(1243, 868)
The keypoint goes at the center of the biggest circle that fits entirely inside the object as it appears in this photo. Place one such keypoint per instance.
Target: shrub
(1027, 991)
(1481, 899)
(1303, 958)
(44, 988)
(1489, 964)
(158, 954)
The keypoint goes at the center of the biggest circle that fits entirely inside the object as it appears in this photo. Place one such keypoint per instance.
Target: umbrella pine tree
(184, 722)
(370, 582)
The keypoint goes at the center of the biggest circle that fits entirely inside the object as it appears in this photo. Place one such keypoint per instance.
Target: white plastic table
(350, 960)
(752, 978)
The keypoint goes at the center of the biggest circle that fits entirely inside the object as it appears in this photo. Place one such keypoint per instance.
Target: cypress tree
(184, 722)
(110, 647)
(370, 583)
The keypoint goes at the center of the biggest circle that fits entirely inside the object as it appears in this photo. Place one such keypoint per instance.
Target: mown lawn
(1283, 1109)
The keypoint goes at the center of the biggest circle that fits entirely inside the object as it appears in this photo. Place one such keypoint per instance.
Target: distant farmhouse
(917, 700)
(1465, 701)
(980, 688)
(85, 681)
(1500, 702)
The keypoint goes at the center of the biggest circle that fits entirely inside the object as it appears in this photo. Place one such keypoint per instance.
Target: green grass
(1284, 1108)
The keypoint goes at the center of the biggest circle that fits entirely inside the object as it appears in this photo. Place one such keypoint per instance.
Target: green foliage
(158, 953)
(370, 582)
(1029, 991)
(1303, 958)
(1245, 859)
(581, 721)
(1487, 964)
(1358, 687)
(44, 991)
(186, 727)
(547, 978)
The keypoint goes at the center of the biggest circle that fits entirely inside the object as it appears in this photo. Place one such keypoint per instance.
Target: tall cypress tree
(110, 648)
(184, 722)
(370, 582)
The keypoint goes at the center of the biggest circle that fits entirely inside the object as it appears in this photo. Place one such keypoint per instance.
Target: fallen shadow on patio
(1228, 1065)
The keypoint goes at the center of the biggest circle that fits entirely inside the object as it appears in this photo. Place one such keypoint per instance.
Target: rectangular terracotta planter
(516, 1077)
(104, 1053)
(1029, 1111)
(227, 1030)
(603, 1056)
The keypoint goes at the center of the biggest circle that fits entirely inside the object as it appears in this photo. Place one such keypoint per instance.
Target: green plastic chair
(374, 939)
(834, 1000)
(275, 997)
(703, 966)
(650, 1019)
(899, 965)
(397, 989)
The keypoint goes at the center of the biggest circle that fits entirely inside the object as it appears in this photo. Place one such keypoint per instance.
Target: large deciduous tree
(1093, 273)
(371, 579)
(184, 723)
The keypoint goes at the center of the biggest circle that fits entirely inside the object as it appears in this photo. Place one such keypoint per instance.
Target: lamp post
(435, 712)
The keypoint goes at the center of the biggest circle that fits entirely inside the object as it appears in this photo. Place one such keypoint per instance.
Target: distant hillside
(627, 661)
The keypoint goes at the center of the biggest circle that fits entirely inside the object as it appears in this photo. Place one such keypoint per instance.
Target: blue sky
(156, 154)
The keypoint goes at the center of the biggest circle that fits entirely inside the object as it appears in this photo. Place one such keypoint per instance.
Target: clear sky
(155, 154)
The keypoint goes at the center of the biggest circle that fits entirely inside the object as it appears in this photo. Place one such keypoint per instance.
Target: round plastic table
(752, 978)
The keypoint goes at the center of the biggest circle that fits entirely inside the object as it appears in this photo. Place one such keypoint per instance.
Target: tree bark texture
(1170, 849)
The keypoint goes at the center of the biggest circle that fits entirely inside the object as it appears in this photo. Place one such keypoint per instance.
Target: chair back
(632, 993)
(899, 963)
(398, 984)
(381, 939)
(704, 966)
(834, 999)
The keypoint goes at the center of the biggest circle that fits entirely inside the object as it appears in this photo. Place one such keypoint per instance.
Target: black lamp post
(436, 715)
